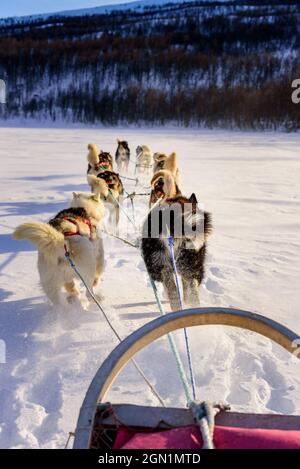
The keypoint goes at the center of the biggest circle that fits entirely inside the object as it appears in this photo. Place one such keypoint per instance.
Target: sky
(33, 7)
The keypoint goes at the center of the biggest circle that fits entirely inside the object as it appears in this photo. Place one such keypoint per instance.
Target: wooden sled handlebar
(159, 327)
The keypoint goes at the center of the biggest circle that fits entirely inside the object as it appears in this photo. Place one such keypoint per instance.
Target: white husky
(74, 229)
(144, 157)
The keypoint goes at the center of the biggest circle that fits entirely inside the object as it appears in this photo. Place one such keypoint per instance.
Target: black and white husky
(76, 229)
(122, 156)
(181, 220)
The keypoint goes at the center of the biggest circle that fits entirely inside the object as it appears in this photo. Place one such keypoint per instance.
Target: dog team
(77, 229)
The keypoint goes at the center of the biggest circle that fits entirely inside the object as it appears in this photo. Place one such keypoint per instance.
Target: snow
(139, 5)
(250, 182)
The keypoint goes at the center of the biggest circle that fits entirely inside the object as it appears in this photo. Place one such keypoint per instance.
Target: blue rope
(137, 367)
(188, 350)
(173, 346)
(174, 349)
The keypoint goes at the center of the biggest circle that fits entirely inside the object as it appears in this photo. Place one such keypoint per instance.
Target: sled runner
(104, 425)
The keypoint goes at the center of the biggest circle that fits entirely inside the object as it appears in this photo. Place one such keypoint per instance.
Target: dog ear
(119, 141)
(75, 195)
(193, 199)
(171, 163)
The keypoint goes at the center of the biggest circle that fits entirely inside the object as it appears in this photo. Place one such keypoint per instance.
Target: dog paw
(72, 299)
(97, 296)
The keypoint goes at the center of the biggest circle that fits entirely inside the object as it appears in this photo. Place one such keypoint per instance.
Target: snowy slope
(137, 5)
(250, 182)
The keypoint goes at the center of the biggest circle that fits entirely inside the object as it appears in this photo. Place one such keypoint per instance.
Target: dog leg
(170, 288)
(89, 281)
(117, 219)
(186, 291)
(72, 290)
(99, 263)
(85, 260)
(194, 298)
(53, 293)
(112, 218)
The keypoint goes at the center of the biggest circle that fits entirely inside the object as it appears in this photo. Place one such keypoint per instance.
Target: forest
(213, 64)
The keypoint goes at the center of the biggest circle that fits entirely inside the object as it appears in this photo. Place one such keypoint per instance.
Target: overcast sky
(31, 7)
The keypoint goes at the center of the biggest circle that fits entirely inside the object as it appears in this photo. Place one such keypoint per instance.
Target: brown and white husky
(163, 186)
(74, 228)
(162, 161)
(98, 160)
(114, 195)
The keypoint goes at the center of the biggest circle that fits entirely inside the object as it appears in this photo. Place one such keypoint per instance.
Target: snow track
(251, 185)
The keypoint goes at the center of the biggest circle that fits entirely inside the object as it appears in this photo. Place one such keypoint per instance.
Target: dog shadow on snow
(18, 319)
(50, 177)
(21, 319)
(71, 188)
(140, 312)
(8, 245)
(18, 208)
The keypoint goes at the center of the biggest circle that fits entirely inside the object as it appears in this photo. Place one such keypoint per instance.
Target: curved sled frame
(157, 328)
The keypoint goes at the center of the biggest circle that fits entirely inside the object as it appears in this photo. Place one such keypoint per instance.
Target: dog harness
(86, 221)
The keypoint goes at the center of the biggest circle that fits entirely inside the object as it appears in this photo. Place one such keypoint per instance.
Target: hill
(228, 64)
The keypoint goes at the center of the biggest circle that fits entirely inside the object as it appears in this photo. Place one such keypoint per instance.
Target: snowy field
(250, 182)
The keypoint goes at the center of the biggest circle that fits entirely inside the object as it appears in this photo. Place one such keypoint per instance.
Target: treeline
(267, 108)
(212, 64)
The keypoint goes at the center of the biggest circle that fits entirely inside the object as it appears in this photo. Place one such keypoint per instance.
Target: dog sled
(103, 425)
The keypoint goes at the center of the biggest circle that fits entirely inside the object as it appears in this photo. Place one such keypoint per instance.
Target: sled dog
(163, 186)
(143, 159)
(115, 190)
(98, 160)
(181, 219)
(122, 156)
(74, 229)
(162, 161)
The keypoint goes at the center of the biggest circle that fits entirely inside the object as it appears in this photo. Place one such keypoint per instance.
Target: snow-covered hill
(228, 64)
(250, 182)
(140, 5)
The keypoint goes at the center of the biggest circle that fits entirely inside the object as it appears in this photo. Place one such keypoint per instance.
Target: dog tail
(169, 182)
(44, 236)
(208, 227)
(98, 185)
(171, 163)
(93, 154)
